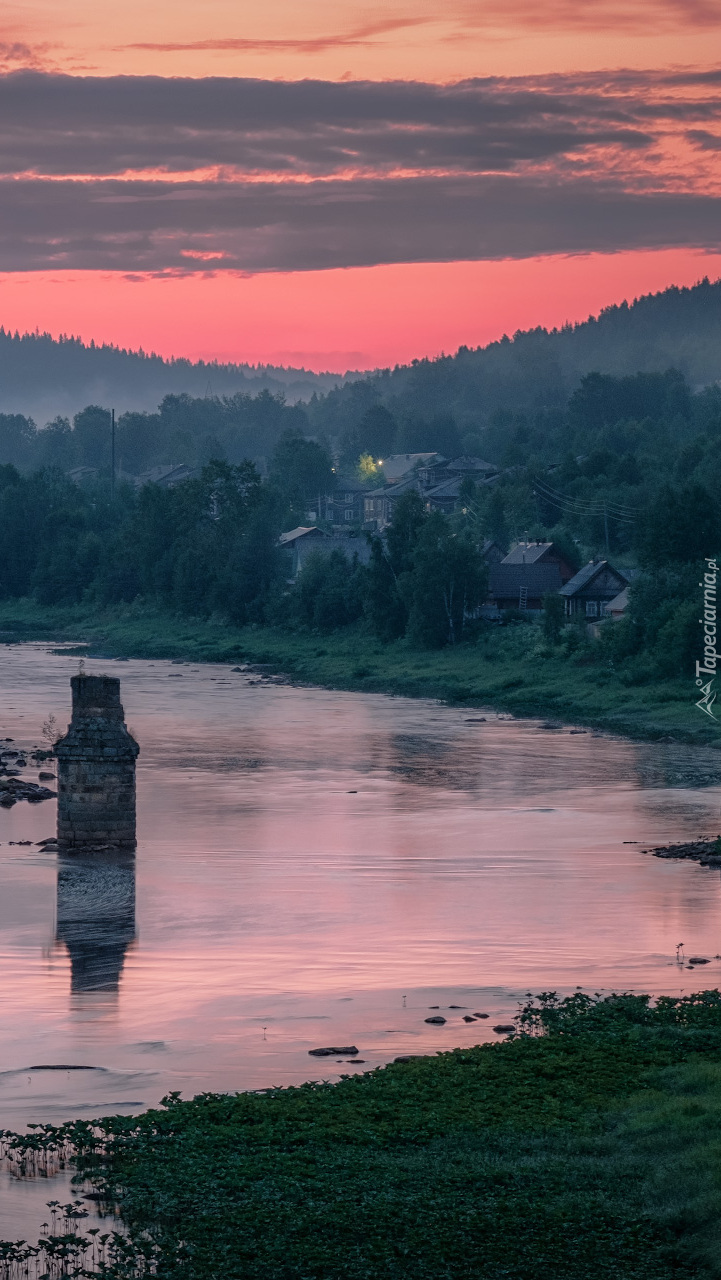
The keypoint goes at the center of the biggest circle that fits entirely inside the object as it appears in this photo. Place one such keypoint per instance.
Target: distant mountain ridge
(536, 369)
(679, 327)
(42, 376)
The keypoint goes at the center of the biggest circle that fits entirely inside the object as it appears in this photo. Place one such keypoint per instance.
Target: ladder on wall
(523, 598)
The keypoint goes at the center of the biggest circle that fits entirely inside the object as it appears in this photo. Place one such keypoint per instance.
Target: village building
(520, 579)
(527, 553)
(379, 504)
(447, 496)
(166, 476)
(437, 479)
(440, 470)
(398, 465)
(617, 607)
(520, 586)
(492, 552)
(345, 506)
(592, 589)
(304, 541)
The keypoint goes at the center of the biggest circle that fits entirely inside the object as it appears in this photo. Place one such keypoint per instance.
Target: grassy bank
(588, 1152)
(508, 668)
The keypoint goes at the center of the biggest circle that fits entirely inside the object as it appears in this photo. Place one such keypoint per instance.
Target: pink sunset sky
(342, 186)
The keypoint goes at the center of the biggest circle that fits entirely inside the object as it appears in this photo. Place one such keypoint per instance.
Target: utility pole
(605, 525)
(112, 453)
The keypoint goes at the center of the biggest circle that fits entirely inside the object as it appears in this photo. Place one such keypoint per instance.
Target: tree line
(630, 469)
(210, 547)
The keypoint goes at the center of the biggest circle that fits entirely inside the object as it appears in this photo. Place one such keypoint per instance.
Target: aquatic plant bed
(504, 667)
(584, 1148)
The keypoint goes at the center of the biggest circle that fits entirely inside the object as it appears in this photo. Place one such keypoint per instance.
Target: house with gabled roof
(521, 586)
(525, 553)
(380, 504)
(589, 592)
(398, 465)
(306, 540)
(492, 552)
(617, 607)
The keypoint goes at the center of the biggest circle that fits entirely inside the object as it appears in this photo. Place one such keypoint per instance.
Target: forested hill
(42, 377)
(679, 328)
(445, 404)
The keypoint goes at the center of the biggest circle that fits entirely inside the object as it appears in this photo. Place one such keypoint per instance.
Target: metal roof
(469, 465)
(448, 489)
(527, 552)
(585, 576)
(300, 532)
(505, 580)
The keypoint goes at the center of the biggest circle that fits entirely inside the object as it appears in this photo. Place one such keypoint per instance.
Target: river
(319, 868)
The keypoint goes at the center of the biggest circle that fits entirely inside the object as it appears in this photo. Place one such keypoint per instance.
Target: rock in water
(347, 1051)
(436, 1022)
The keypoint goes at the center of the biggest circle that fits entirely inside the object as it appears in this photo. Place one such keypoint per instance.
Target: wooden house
(589, 593)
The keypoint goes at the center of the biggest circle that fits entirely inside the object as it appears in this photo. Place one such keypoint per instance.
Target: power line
(578, 506)
(621, 508)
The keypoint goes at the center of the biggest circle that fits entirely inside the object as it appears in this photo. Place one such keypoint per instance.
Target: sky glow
(343, 186)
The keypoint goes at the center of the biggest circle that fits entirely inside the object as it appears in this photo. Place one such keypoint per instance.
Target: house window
(592, 608)
(349, 497)
(349, 514)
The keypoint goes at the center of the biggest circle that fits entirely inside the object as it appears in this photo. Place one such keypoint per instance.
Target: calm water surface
(321, 868)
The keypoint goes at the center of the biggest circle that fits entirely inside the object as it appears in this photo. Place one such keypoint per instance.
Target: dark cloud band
(289, 227)
(482, 169)
(55, 125)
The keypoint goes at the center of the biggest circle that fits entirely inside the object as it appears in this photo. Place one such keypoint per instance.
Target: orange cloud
(313, 44)
(16, 55)
(587, 15)
(337, 38)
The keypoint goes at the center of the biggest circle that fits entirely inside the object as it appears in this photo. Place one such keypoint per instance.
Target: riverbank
(706, 852)
(585, 1149)
(508, 668)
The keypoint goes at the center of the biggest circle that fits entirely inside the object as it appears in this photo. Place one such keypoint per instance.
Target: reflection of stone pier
(96, 917)
(96, 770)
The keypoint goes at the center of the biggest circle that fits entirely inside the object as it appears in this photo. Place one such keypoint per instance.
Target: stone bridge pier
(96, 770)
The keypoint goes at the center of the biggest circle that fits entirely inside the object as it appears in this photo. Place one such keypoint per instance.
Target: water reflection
(96, 918)
(314, 866)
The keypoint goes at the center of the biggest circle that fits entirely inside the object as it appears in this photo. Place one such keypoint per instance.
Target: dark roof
(293, 534)
(528, 552)
(466, 466)
(586, 575)
(350, 484)
(448, 489)
(505, 580)
(395, 490)
(399, 464)
(166, 475)
(489, 544)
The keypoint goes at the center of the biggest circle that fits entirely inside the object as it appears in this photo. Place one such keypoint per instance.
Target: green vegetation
(503, 669)
(628, 467)
(584, 1148)
(209, 410)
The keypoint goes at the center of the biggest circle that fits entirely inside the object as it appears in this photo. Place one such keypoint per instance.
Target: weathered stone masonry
(96, 770)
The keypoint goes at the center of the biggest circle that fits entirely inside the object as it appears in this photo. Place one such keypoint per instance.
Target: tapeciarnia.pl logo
(710, 656)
